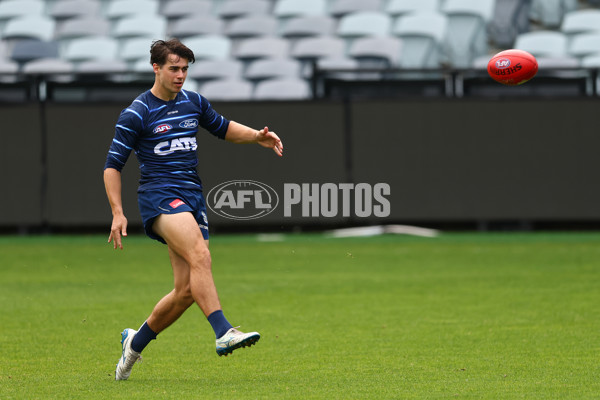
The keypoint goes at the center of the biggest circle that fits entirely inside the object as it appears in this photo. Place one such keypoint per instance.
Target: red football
(512, 67)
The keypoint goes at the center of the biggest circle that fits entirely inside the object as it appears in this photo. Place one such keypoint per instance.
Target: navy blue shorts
(155, 202)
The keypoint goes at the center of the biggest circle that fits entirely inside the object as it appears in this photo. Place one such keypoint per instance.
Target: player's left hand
(270, 140)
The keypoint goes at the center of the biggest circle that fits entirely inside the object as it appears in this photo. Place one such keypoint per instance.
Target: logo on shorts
(176, 203)
(242, 199)
(162, 128)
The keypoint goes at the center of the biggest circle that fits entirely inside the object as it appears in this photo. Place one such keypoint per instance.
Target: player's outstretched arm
(112, 183)
(238, 133)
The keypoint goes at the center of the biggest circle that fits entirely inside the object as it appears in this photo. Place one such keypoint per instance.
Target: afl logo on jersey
(162, 128)
(189, 124)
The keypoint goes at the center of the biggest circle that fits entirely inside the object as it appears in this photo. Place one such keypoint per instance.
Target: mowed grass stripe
(462, 315)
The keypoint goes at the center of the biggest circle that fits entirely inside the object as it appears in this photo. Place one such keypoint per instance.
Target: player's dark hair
(160, 50)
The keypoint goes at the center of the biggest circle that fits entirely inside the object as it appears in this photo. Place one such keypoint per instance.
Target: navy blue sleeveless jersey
(163, 136)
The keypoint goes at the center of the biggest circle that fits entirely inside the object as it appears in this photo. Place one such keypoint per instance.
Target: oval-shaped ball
(512, 67)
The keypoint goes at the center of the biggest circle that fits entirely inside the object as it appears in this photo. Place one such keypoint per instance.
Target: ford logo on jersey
(189, 124)
(162, 128)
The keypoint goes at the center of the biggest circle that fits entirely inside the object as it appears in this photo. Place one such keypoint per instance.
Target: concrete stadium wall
(444, 160)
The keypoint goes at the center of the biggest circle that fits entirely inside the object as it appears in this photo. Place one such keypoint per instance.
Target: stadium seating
(423, 36)
(308, 26)
(299, 8)
(32, 49)
(210, 46)
(396, 8)
(467, 29)
(252, 26)
(376, 52)
(206, 70)
(231, 9)
(282, 89)
(511, 18)
(340, 8)
(227, 90)
(140, 26)
(543, 43)
(64, 9)
(364, 23)
(331, 33)
(8, 71)
(57, 69)
(31, 26)
(312, 49)
(194, 25)
(262, 47)
(272, 68)
(18, 8)
(581, 21)
(175, 9)
(585, 44)
(550, 13)
(82, 27)
(134, 49)
(126, 8)
(91, 48)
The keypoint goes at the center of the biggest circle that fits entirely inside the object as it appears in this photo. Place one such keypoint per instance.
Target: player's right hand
(117, 231)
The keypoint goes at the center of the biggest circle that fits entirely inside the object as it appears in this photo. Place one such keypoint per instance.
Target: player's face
(171, 76)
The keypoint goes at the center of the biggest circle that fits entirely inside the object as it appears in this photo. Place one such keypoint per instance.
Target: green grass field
(480, 316)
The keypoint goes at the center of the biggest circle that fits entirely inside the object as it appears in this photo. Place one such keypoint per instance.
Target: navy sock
(142, 338)
(219, 323)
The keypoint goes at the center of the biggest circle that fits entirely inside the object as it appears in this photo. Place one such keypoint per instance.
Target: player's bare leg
(174, 304)
(185, 241)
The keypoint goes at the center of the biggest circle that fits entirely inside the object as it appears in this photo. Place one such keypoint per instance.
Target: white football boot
(129, 356)
(235, 339)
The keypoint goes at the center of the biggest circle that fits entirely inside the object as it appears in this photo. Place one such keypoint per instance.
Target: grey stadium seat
(252, 26)
(82, 27)
(319, 47)
(299, 8)
(307, 26)
(184, 8)
(206, 70)
(364, 23)
(376, 52)
(581, 21)
(212, 47)
(230, 9)
(422, 35)
(273, 68)
(263, 47)
(339, 8)
(542, 43)
(55, 69)
(227, 90)
(511, 18)
(550, 13)
(135, 49)
(397, 8)
(467, 29)
(584, 44)
(195, 25)
(126, 8)
(64, 9)
(31, 26)
(18, 8)
(91, 48)
(140, 26)
(31, 49)
(282, 89)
